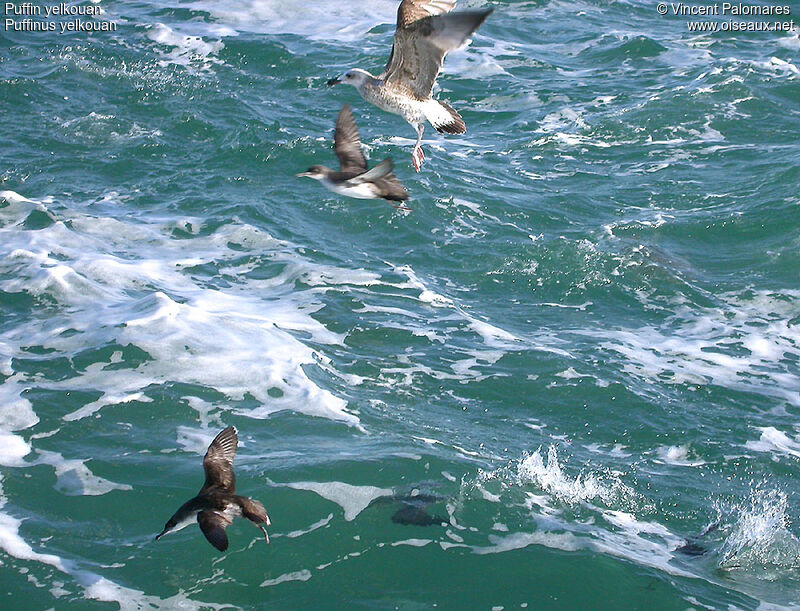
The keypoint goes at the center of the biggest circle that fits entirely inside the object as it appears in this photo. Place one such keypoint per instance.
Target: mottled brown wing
(218, 462)
(410, 11)
(347, 143)
(419, 49)
(213, 525)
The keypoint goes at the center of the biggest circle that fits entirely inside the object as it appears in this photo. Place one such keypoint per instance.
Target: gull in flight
(426, 31)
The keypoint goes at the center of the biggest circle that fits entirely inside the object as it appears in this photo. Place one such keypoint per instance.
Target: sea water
(569, 377)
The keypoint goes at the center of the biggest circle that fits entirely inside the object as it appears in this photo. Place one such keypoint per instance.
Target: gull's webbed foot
(417, 157)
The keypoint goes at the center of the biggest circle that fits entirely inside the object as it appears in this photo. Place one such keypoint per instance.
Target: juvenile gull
(216, 505)
(425, 32)
(353, 179)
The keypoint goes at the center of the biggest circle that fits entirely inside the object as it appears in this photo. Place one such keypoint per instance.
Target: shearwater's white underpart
(353, 178)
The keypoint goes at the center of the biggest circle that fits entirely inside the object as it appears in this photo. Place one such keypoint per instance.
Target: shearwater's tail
(444, 117)
(392, 189)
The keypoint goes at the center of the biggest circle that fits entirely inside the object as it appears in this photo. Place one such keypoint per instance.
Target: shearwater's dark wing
(213, 525)
(218, 462)
(347, 143)
(426, 31)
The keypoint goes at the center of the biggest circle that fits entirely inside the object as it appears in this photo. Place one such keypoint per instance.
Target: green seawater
(568, 378)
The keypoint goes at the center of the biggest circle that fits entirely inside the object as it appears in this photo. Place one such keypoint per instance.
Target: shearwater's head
(355, 77)
(317, 172)
(168, 527)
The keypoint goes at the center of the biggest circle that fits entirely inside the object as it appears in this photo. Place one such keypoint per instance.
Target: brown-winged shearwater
(216, 505)
(353, 179)
(425, 32)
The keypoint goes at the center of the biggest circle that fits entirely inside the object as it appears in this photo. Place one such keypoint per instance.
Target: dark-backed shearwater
(424, 35)
(216, 505)
(353, 179)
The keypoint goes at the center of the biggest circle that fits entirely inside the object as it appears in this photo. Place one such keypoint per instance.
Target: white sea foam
(352, 499)
(425, 294)
(129, 599)
(16, 204)
(239, 341)
(322, 20)
(14, 545)
(647, 543)
(304, 531)
(107, 399)
(447, 319)
(16, 413)
(185, 48)
(678, 455)
(303, 575)
(704, 345)
(617, 451)
(412, 542)
(774, 441)
(780, 67)
(560, 119)
(74, 478)
(562, 541)
(97, 127)
(791, 41)
(13, 449)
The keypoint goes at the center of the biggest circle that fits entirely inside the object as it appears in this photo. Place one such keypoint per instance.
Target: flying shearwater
(353, 179)
(216, 505)
(425, 32)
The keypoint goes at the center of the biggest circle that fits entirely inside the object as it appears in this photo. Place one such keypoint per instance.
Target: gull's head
(317, 172)
(355, 77)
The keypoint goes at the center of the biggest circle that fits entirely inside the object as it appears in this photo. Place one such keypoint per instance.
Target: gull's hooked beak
(334, 81)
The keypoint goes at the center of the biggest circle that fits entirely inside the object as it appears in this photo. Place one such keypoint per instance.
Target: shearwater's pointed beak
(303, 174)
(334, 81)
(161, 534)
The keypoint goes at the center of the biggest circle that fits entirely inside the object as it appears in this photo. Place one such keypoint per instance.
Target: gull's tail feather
(444, 118)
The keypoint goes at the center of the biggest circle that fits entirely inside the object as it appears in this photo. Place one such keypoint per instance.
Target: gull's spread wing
(421, 44)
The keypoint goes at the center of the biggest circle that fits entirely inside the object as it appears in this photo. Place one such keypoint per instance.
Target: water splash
(548, 474)
(760, 537)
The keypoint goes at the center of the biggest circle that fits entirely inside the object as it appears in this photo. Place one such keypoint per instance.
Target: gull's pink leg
(417, 156)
